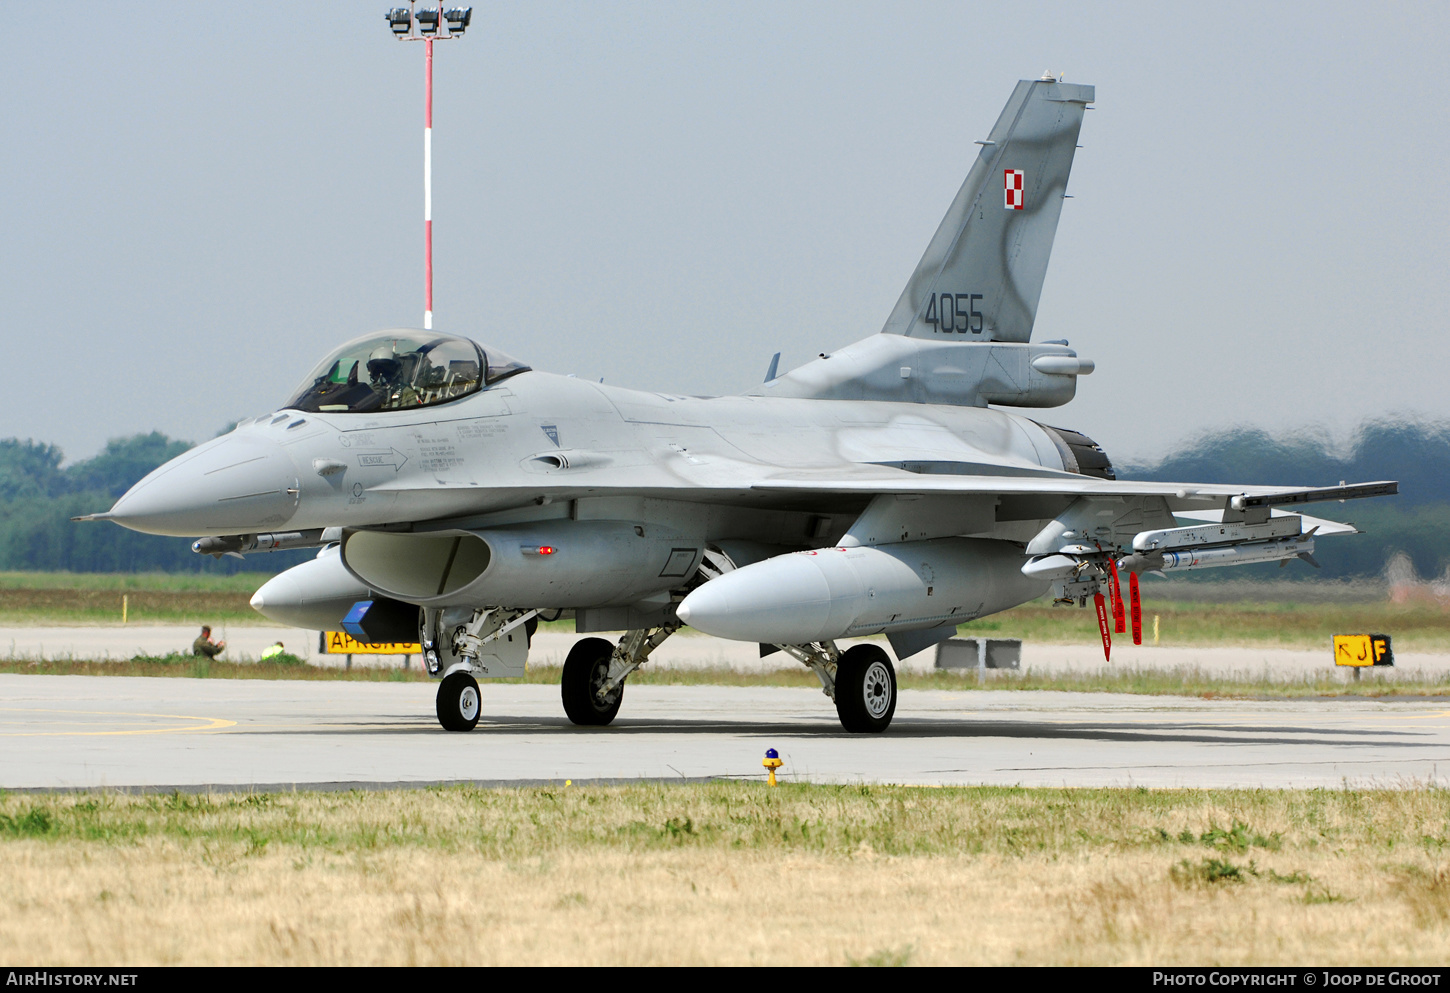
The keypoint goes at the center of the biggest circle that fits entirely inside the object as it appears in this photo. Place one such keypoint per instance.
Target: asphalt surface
(70, 732)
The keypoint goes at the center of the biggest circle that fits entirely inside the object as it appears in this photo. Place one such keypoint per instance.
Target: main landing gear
(586, 670)
(861, 681)
(595, 671)
(865, 690)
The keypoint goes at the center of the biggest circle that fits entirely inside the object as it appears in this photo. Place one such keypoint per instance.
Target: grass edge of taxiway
(728, 872)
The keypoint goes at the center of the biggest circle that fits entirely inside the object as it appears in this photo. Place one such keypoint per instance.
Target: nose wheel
(865, 690)
(458, 702)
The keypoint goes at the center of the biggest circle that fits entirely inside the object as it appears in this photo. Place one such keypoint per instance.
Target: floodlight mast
(429, 24)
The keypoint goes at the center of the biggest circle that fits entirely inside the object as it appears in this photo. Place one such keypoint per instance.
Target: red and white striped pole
(428, 182)
(435, 24)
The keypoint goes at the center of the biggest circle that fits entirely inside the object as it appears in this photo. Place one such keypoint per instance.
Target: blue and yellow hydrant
(771, 762)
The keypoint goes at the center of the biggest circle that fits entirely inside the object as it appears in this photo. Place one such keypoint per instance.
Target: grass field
(33, 598)
(728, 873)
(120, 582)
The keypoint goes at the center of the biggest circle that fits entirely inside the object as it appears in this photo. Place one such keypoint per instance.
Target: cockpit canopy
(399, 371)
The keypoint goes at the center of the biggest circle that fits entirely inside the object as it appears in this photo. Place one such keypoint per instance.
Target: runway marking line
(208, 724)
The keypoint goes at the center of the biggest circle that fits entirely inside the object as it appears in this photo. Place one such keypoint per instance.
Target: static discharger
(771, 762)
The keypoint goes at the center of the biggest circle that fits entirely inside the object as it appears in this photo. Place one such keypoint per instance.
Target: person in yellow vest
(272, 652)
(203, 645)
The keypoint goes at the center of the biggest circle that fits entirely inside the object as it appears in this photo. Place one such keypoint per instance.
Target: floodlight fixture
(400, 19)
(427, 19)
(458, 19)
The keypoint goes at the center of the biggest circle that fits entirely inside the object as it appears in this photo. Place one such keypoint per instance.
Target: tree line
(39, 496)
(1417, 522)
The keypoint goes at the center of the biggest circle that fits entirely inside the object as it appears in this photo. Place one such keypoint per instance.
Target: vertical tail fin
(981, 276)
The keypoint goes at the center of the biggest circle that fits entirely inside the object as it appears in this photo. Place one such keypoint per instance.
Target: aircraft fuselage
(501, 448)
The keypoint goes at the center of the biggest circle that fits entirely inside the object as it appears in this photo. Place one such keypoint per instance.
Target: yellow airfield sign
(342, 643)
(1363, 649)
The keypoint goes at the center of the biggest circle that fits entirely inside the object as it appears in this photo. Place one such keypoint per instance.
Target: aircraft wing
(1072, 485)
(727, 480)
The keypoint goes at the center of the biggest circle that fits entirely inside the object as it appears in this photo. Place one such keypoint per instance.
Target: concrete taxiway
(70, 732)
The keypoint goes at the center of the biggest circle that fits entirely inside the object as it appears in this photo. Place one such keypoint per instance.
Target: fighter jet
(893, 486)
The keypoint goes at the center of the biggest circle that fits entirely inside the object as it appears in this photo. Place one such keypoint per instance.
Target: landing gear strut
(461, 645)
(586, 670)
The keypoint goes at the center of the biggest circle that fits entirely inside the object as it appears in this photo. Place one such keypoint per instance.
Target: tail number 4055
(949, 312)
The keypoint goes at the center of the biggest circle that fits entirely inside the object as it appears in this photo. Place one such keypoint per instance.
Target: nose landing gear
(458, 702)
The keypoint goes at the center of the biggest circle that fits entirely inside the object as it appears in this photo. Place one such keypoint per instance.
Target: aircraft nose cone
(231, 485)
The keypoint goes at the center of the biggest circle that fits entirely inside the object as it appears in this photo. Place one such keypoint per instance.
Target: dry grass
(71, 606)
(728, 873)
(124, 582)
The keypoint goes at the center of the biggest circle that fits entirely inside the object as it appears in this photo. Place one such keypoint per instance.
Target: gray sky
(201, 200)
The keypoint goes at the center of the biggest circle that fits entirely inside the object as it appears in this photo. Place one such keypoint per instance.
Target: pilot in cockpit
(386, 374)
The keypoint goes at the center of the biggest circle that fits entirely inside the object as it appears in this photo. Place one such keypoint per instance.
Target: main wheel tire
(865, 690)
(458, 702)
(585, 670)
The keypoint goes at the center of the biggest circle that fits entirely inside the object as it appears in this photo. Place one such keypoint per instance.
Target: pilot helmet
(382, 365)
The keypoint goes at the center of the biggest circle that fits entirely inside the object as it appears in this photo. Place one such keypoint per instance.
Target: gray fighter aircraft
(457, 495)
